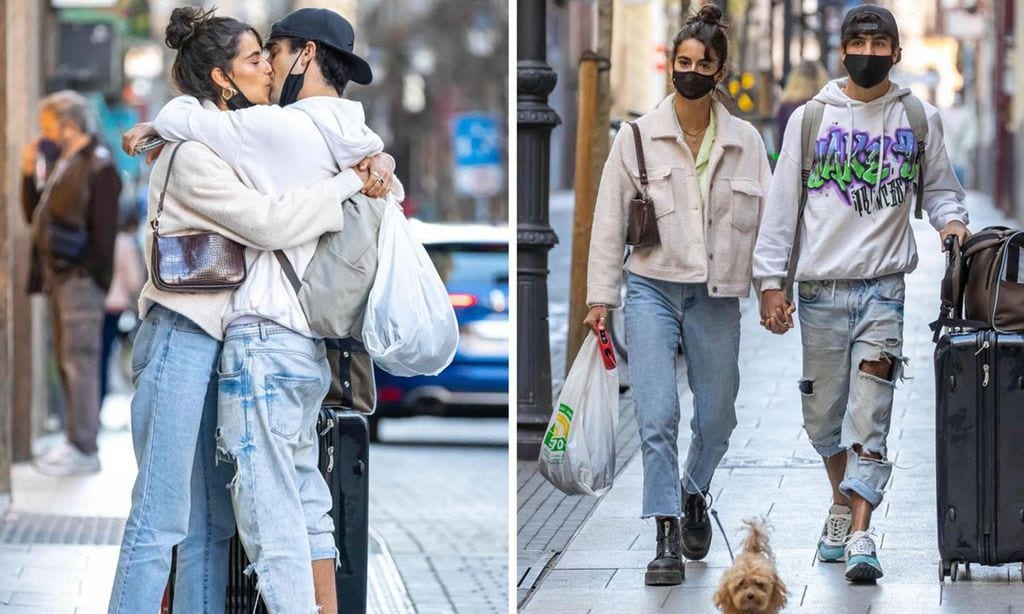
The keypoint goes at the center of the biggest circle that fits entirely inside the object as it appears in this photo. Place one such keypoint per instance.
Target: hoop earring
(227, 93)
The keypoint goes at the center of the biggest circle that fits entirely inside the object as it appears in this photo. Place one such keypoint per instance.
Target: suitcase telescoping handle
(950, 243)
(952, 288)
(951, 282)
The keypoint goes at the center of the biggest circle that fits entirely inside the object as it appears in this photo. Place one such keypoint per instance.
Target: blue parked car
(473, 263)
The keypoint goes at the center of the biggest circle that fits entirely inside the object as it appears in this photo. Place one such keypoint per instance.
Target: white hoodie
(857, 221)
(276, 150)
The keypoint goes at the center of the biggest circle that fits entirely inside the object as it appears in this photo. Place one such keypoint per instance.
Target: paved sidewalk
(440, 501)
(59, 542)
(772, 471)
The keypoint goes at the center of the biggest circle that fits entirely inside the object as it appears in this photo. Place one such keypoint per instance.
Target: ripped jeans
(843, 324)
(272, 381)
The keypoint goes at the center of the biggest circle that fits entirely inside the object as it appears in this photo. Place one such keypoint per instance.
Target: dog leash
(714, 513)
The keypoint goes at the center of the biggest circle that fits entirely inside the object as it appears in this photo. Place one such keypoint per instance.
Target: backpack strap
(289, 270)
(814, 110)
(918, 119)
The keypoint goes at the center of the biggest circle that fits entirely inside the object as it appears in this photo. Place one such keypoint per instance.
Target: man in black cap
(317, 38)
(853, 162)
(311, 52)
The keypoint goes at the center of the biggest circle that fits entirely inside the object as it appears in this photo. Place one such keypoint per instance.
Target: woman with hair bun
(181, 494)
(706, 173)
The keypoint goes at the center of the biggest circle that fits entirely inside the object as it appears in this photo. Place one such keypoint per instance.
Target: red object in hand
(604, 343)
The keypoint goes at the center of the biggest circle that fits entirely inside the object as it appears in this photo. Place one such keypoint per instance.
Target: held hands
(596, 318)
(380, 173)
(776, 312)
(953, 228)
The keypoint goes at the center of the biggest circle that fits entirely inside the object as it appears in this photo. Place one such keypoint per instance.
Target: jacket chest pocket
(665, 186)
(745, 198)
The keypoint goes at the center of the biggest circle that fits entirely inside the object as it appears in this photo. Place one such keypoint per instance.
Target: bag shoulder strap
(814, 110)
(641, 166)
(289, 270)
(918, 119)
(155, 224)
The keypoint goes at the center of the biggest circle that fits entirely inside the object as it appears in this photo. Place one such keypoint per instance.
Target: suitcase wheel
(948, 568)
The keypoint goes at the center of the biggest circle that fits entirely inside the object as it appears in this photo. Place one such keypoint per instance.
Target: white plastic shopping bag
(410, 326)
(578, 451)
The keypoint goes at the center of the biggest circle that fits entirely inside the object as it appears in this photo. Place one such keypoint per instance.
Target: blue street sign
(476, 153)
(476, 139)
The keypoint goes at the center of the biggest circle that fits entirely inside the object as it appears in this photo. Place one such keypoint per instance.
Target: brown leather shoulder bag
(202, 262)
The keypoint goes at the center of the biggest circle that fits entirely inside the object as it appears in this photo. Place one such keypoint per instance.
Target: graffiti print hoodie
(862, 189)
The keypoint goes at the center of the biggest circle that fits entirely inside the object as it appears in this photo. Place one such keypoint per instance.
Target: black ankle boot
(696, 538)
(667, 567)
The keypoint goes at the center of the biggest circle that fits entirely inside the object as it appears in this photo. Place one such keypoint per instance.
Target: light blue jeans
(180, 493)
(660, 314)
(272, 381)
(842, 324)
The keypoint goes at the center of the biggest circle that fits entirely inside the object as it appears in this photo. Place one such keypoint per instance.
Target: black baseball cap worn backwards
(870, 19)
(327, 28)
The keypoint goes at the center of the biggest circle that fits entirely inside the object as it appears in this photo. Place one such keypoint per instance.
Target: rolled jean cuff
(828, 450)
(857, 486)
(322, 547)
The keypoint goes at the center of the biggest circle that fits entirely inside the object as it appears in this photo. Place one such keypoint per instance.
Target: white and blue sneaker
(831, 546)
(861, 558)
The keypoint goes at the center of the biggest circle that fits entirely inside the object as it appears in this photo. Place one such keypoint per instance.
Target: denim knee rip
(867, 476)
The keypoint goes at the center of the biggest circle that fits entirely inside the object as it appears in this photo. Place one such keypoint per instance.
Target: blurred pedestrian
(804, 82)
(38, 161)
(848, 218)
(124, 291)
(74, 222)
(704, 165)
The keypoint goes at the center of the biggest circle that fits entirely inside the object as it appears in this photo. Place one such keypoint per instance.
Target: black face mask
(292, 84)
(868, 71)
(692, 85)
(238, 101)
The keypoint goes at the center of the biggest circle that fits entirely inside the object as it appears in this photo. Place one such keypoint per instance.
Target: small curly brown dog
(752, 585)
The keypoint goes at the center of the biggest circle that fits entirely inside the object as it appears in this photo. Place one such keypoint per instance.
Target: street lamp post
(535, 81)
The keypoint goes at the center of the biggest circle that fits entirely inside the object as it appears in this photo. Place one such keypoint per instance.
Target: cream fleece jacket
(205, 194)
(721, 255)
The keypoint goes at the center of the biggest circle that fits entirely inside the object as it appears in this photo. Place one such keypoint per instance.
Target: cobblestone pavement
(440, 501)
(772, 471)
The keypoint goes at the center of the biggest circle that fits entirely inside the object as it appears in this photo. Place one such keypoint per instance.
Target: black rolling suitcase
(979, 446)
(344, 461)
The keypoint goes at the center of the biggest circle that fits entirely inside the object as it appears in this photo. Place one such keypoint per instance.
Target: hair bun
(183, 24)
(711, 15)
